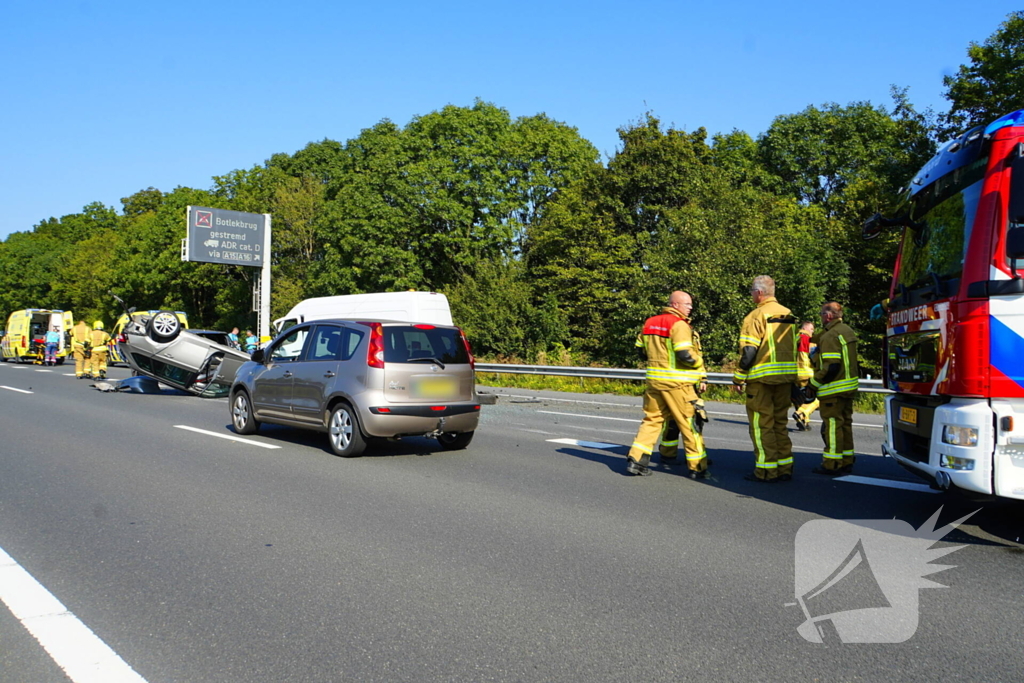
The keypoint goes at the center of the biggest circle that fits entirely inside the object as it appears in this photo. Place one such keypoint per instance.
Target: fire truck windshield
(942, 215)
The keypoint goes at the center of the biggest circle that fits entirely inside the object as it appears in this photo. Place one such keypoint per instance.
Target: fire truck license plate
(908, 415)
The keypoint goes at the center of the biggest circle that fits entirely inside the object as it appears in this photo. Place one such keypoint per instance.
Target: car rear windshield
(406, 344)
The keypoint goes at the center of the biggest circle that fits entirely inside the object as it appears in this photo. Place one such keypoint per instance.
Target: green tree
(992, 84)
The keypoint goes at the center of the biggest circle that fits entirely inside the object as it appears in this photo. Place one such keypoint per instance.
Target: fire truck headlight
(952, 463)
(959, 436)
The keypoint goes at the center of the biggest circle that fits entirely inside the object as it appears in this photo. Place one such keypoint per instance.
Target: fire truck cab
(955, 333)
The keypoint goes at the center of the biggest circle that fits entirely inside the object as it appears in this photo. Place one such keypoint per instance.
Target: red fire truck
(955, 334)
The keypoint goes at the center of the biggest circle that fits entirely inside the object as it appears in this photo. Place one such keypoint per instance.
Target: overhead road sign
(221, 236)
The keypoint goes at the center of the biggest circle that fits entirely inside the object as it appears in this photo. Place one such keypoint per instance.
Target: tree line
(540, 246)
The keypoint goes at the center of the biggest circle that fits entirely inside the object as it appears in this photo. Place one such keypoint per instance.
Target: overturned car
(159, 346)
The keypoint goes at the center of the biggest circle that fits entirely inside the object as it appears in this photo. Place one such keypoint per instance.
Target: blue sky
(103, 99)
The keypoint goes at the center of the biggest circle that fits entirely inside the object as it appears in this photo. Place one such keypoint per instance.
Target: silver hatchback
(357, 380)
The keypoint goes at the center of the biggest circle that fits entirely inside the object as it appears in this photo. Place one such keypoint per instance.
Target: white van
(409, 307)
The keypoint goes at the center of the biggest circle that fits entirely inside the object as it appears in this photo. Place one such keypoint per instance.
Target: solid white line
(229, 437)
(70, 643)
(888, 483)
(20, 391)
(596, 417)
(588, 444)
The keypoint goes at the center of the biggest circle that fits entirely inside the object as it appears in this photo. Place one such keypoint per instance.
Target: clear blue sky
(105, 98)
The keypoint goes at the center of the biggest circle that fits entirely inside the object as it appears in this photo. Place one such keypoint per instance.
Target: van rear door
(426, 363)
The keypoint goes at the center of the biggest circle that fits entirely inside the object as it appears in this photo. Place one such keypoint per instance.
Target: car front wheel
(242, 418)
(451, 441)
(343, 432)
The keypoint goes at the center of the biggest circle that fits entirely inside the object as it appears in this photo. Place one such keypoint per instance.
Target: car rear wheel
(164, 327)
(242, 418)
(343, 432)
(451, 441)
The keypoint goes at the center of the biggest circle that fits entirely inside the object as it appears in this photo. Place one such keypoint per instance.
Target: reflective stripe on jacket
(771, 329)
(837, 344)
(661, 337)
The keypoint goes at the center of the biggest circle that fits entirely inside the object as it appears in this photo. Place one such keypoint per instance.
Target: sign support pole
(264, 314)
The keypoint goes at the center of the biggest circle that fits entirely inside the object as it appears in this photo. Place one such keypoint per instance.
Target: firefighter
(80, 335)
(98, 340)
(766, 373)
(835, 382)
(803, 407)
(674, 367)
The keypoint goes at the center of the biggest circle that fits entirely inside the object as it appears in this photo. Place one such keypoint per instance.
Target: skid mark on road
(70, 643)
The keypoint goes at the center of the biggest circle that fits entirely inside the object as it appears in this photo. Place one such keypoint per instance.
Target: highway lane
(196, 558)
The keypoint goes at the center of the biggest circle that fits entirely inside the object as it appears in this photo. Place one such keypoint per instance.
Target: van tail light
(469, 351)
(375, 351)
(24, 342)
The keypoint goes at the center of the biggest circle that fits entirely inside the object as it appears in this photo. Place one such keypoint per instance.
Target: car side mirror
(257, 356)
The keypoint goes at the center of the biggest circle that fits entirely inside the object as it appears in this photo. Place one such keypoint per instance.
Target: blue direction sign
(222, 236)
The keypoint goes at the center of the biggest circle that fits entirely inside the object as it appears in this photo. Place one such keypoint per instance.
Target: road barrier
(870, 386)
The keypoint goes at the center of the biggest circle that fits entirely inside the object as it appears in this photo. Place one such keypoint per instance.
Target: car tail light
(424, 327)
(437, 407)
(121, 338)
(375, 351)
(383, 410)
(469, 351)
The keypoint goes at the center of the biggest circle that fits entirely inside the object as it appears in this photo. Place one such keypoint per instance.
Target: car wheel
(164, 327)
(343, 432)
(451, 441)
(60, 361)
(242, 418)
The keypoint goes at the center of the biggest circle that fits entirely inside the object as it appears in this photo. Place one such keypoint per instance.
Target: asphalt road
(529, 556)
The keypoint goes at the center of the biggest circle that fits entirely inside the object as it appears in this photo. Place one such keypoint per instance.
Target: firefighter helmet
(98, 325)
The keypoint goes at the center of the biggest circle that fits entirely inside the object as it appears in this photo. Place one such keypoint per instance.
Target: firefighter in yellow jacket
(80, 335)
(835, 382)
(674, 367)
(767, 371)
(98, 339)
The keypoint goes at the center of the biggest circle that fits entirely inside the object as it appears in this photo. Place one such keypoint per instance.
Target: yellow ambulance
(24, 339)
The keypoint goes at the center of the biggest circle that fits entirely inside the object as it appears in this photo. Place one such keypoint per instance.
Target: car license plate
(435, 387)
(908, 415)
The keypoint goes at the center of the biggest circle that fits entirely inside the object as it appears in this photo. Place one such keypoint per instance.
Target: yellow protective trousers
(663, 407)
(837, 432)
(806, 409)
(78, 351)
(767, 411)
(98, 361)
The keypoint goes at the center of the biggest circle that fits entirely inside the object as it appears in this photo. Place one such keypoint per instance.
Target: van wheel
(451, 441)
(60, 361)
(242, 418)
(343, 432)
(164, 327)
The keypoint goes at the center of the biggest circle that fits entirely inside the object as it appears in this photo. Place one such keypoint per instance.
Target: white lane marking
(70, 643)
(595, 417)
(44, 370)
(20, 391)
(588, 444)
(888, 483)
(69, 374)
(229, 437)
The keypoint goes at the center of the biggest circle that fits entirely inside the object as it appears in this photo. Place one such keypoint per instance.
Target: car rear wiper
(429, 360)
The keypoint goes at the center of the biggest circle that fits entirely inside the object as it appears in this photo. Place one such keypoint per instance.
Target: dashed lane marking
(70, 643)
(229, 437)
(595, 417)
(20, 391)
(888, 483)
(588, 444)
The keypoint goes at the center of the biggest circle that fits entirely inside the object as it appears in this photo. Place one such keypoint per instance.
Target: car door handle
(288, 373)
(328, 374)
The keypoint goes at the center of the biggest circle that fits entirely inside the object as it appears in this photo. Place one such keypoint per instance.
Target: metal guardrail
(870, 386)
